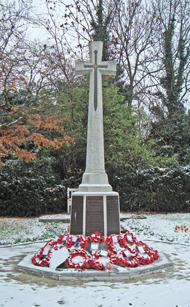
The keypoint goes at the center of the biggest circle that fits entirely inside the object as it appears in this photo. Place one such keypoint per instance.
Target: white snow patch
(168, 289)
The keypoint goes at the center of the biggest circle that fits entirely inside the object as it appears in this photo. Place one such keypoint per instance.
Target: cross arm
(111, 68)
(80, 69)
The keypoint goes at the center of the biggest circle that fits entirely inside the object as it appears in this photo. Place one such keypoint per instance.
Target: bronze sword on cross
(95, 66)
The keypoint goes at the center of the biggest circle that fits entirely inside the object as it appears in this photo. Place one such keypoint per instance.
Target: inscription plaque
(76, 215)
(94, 215)
(113, 215)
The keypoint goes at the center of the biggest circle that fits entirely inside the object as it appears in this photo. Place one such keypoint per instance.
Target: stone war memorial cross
(95, 207)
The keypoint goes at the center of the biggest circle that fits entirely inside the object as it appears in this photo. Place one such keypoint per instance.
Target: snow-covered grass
(169, 288)
(161, 227)
(153, 227)
(21, 230)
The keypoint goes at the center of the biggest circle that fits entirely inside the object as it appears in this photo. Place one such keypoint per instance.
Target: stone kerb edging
(118, 274)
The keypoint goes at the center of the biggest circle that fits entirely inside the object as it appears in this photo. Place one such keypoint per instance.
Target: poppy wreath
(110, 243)
(127, 262)
(39, 258)
(113, 258)
(95, 237)
(83, 264)
(127, 232)
(62, 238)
(83, 241)
(123, 242)
(126, 237)
(145, 259)
(96, 264)
(151, 254)
(96, 260)
(139, 252)
(67, 240)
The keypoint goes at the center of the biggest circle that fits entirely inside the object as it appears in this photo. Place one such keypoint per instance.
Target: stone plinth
(95, 211)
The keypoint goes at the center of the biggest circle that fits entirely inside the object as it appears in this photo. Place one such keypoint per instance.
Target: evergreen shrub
(30, 196)
(33, 189)
(30, 189)
(152, 189)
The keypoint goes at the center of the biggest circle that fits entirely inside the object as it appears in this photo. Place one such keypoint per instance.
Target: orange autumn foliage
(48, 123)
(11, 137)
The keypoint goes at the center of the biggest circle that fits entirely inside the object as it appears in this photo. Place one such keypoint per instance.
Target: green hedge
(30, 197)
(31, 189)
(152, 189)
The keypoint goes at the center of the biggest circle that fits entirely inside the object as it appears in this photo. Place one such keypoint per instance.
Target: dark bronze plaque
(94, 215)
(113, 223)
(76, 225)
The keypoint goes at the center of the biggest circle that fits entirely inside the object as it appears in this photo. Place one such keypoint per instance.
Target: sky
(40, 34)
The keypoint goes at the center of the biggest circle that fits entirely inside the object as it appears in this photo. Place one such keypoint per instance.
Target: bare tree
(75, 23)
(25, 65)
(128, 30)
(14, 21)
(134, 45)
(173, 22)
(135, 34)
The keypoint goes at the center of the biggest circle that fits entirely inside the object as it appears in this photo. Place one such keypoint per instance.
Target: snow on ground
(20, 230)
(161, 227)
(153, 226)
(170, 288)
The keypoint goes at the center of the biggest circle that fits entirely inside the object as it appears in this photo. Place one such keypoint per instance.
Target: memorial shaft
(95, 207)
(95, 177)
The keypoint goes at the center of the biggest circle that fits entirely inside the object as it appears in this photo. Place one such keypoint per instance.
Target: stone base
(95, 182)
(95, 211)
(116, 274)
